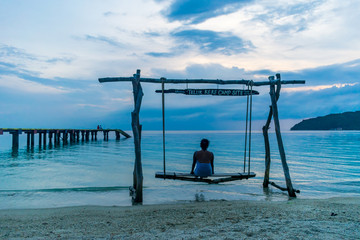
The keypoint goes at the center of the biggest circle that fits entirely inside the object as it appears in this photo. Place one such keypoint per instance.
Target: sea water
(322, 164)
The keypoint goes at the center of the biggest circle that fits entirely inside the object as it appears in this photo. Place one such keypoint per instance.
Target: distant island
(338, 121)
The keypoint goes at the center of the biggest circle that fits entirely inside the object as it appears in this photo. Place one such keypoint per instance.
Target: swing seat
(213, 179)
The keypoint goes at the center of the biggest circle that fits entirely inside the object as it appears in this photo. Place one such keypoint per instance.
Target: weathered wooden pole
(65, 137)
(15, 139)
(267, 150)
(136, 128)
(265, 130)
(56, 141)
(50, 138)
(58, 137)
(44, 140)
(32, 138)
(275, 114)
(87, 135)
(40, 139)
(117, 135)
(28, 139)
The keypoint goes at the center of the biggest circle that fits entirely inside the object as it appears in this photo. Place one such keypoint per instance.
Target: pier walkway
(58, 135)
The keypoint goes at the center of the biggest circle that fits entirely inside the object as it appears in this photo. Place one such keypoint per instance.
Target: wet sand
(336, 218)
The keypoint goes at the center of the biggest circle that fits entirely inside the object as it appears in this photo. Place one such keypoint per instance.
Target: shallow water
(322, 165)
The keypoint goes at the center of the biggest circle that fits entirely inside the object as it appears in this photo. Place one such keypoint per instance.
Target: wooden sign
(213, 92)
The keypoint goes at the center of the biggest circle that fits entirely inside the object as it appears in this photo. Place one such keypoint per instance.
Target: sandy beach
(336, 218)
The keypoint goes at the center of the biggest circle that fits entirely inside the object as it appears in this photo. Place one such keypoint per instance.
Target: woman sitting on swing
(204, 161)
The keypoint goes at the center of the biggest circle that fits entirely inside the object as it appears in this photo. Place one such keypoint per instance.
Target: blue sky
(53, 52)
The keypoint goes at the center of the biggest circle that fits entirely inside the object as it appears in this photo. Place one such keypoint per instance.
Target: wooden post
(95, 133)
(136, 128)
(117, 135)
(15, 139)
(278, 135)
(44, 140)
(40, 140)
(265, 130)
(65, 137)
(50, 138)
(28, 139)
(32, 138)
(267, 149)
(87, 135)
(56, 139)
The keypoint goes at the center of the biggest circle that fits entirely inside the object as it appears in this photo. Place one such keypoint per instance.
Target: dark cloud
(210, 41)
(104, 39)
(161, 54)
(197, 11)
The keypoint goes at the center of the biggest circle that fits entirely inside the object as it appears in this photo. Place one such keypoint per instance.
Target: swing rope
(246, 127)
(251, 86)
(163, 123)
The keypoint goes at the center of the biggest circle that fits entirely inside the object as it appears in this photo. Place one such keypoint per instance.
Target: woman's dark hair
(204, 144)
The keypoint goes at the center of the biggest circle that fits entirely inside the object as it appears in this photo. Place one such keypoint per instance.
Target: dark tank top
(204, 156)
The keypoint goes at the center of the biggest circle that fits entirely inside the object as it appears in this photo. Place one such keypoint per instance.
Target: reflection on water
(322, 164)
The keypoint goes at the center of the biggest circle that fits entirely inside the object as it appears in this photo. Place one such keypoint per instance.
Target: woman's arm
(193, 164)
(212, 163)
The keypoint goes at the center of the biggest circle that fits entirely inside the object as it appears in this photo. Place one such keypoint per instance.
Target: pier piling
(32, 138)
(40, 142)
(28, 139)
(15, 139)
(44, 139)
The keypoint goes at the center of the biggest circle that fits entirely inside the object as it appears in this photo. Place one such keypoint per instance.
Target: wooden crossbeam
(207, 81)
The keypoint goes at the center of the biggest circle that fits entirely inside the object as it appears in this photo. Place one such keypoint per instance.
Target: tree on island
(338, 121)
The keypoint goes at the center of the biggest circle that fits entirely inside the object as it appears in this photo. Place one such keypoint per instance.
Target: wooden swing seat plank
(215, 178)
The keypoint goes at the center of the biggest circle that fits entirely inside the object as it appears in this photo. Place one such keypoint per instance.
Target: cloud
(67, 60)
(18, 84)
(211, 71)
(161, 54)
(10, 51)
(104, 39)
(289, 17)
(318, 88)
(197, 11)
(213, 42)
(341, 73)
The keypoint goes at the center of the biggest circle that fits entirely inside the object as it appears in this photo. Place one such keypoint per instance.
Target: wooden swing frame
(217, 177)
(136, 189)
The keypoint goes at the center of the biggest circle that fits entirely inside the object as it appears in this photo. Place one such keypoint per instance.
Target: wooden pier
(55, 136)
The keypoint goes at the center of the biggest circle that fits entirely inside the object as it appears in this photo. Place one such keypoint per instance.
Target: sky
(53, 52)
